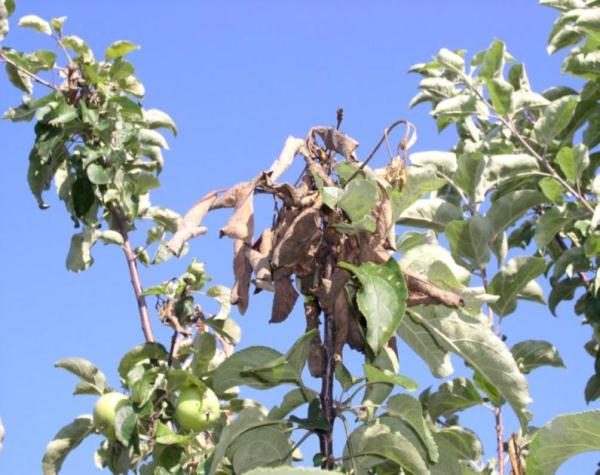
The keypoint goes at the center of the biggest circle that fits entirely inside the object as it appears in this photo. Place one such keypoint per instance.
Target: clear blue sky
(238, 78)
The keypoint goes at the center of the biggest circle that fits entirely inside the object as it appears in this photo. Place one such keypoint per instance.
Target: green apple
(197, 409)
(105, 411)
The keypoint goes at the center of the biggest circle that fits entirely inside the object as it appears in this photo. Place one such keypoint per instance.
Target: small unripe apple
(105, 411)
(197, 409)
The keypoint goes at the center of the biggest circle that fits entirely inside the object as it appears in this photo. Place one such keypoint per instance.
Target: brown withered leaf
(241, 223)
(356, 332)
(316, 358)
(420, 289)
(385, 223)
(342, 322)
(242, 272)
(297, 238)
(189, 226)
(334, 140)
(292, 147)
(285, 296)
(316, 354)
(259, 258)
(262, 270)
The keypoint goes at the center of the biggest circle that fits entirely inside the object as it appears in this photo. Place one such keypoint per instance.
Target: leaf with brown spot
(296, 240)
(241, 223)
(242, 272)
(285, 296)
(335, 140)
(189, 226)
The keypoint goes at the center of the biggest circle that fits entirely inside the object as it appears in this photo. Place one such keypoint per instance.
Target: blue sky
(238, 78)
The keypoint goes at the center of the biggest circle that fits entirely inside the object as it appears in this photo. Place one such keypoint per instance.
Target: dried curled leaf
(189, 226)
(242, 272)
(335, 140)
(285, 296)
(297, 238)
(241, 223)
(292, 147)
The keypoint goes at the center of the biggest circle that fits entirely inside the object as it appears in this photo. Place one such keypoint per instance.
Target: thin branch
(36, 78)
(403, 144)
(134, 274)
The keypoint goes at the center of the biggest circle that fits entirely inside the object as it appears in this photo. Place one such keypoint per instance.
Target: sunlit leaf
(562, 438)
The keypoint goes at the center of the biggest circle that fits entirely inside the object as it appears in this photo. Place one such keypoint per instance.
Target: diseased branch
(134, 274)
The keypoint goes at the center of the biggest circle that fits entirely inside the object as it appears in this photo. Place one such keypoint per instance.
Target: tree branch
(134, 274)
(36, 78)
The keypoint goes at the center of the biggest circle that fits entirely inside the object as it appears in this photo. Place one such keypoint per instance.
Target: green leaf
(510, 281)
(238, 369)
(376, 393)
(453, 396)
(456, 444)
(381, 299)
(555, 119)
(359, 198)
(552, 189)
(573, 161)
(67, 439)
(57, 24)
(493, 61)
(502, 168)
(458, 106)
(4, 14)
(451, 60)
(19, 79)
(157, 119)
(548, 225)
(475, 342)
(501, 93)
(260, 447)
(287, 470)
(292, 400)
(37, 23)
(141, 354)
(248, 419)
(125, 424)
(165, 436)
(562, 438)
(119, 49)
(79, 257)
(592, 389)
(532, 354)
(442, 162)
(410, 411)
(420, 339)
(97, 174)
(470, 240)
(369, 446)
(86, 371)
(153, 138)
(510, 208)
(432, 213)
(375, 375)
(79, 46)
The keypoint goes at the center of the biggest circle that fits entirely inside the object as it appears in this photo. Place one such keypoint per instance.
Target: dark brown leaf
(297, 239)
(285, 296)
(316, 358)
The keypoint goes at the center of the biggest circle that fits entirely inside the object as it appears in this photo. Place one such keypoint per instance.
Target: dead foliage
(299, 253)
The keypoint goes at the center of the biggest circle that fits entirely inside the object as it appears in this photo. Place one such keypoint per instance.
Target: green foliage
(522, 175)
